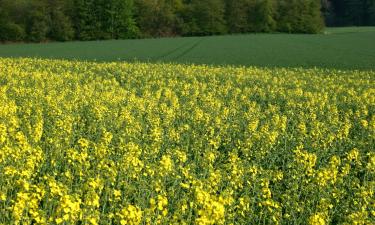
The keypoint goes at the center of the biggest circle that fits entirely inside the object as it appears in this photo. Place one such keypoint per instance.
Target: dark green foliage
(104, 19)
(236, 15)
(206, 17)
(84, 19)
(11, 32)
(37, 25)
(351, 12)
(11, 28)
(158, 18)
(64, 20)
(371, 13)
(120, 23)
(60, 25)
(262, 16)
(300, 16)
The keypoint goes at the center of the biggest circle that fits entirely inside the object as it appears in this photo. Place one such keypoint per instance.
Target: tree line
(349, 12)
(64, 20)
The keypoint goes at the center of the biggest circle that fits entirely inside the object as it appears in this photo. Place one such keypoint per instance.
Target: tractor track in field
(168, 53)
(188, 50)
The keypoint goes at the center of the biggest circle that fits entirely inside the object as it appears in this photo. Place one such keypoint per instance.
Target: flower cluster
(137, 143)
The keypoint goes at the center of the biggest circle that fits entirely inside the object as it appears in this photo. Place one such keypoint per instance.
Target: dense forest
(349, 12)
(64, 20)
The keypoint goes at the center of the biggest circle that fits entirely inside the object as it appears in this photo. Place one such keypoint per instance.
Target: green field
(341, 48)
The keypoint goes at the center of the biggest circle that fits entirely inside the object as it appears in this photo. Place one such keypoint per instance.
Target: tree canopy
(349, 12)
(64, 20)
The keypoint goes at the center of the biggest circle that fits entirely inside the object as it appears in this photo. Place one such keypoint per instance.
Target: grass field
(134, 143)
(341, 48)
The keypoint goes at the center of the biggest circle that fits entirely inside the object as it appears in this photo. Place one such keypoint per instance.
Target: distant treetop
(64, 20)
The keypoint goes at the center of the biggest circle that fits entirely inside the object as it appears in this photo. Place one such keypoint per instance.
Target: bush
(11, 32)
(61, 27)
(37, 27)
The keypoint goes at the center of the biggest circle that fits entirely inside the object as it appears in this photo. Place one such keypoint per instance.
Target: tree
(158, 18)
(61, 28)
(236, 16)
(11, 32)
(4, 18)
(37, 25)
(312, 19)
(63, 20)
(262, 16)
(206, 17)
(84, 21)
(11, 20)
(120, 21)
(370, 13)
(300, 16)
(327, 12)
(353, 12)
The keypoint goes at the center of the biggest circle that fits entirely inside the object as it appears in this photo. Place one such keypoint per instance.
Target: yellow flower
(162, 202)
(3, 133)
(3, 197)
(83, 143)
(353, 155)
(131, 215)
(117, 194)
(166, 163)
(317, 219)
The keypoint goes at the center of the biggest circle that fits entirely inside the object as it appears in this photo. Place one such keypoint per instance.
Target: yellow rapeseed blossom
(317, 219)
(131, 215)
(139, 143)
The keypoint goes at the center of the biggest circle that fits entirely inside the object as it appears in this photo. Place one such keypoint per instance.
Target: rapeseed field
(137, 143)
